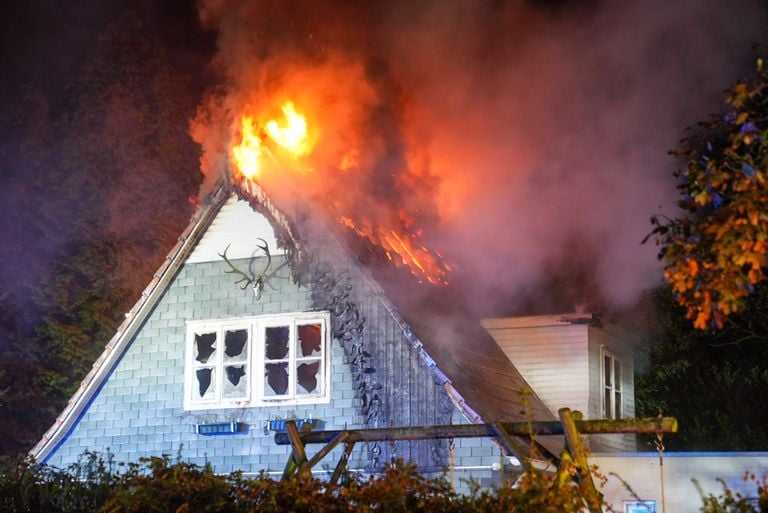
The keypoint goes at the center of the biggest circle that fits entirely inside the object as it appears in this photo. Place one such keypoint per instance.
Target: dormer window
(611, 384)
(257, 361)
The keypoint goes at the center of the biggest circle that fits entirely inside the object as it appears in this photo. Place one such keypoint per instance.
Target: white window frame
(614, 385)
(256, 361)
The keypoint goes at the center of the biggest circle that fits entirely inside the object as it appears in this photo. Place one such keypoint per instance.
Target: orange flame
(247, 154)
(292, 134)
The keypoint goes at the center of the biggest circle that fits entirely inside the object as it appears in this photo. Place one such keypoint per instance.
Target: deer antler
(249, 280)
(257, 282)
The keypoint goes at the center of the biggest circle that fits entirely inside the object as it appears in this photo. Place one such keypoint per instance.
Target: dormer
(575, 361)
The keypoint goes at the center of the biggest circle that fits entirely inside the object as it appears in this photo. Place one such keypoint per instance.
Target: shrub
(157, 484)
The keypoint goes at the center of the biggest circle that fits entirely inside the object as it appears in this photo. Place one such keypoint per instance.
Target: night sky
(558, 110)
(44, 42)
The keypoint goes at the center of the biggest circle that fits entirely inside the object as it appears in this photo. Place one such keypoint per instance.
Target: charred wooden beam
(524, 429)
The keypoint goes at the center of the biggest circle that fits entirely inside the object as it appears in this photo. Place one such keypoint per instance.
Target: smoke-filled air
(517, 148)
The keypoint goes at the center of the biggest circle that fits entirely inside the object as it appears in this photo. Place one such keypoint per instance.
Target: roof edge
(258, 199)
(135, 317)
(536, 321)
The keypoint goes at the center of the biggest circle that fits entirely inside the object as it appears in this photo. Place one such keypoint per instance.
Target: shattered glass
(236, 382)
(276, 378)
(276, 342)
(235, 348)
(307, 377)
(310, 339)
(205, 383)
(205, 346)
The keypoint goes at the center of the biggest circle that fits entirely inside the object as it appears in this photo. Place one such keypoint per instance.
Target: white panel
(239, 227)
(551, 356)
(686, 477)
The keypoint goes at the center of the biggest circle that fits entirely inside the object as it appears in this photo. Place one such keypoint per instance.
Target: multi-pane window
(257, 361)
(611, 384)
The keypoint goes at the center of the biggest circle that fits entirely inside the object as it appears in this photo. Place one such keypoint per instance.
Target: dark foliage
(158, 485)
(91, 199)
(715, 382)
(717, 251)
(97, 484)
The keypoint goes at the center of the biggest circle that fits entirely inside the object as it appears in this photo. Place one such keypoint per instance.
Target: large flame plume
(525, 139)
(285, 144)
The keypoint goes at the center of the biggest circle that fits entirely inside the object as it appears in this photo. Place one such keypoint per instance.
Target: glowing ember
(292, 134)
(420, 260)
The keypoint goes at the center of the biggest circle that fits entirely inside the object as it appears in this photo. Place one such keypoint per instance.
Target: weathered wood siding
(616, 341)
(393, 384)
(551, 357)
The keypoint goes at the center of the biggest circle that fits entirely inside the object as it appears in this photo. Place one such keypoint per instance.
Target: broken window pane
(306, 377)
(236, 384)
(205, 344)
(276, 342)
(276, 375)
(205, 383)
(235, 345)
(310, 339)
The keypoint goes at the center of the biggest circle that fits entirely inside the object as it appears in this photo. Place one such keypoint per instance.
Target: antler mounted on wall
(251, 279)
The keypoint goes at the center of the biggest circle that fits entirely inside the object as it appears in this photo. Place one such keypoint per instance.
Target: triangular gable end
(239, 228)
(382, 373)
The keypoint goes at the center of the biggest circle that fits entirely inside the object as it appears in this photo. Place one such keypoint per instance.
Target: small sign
(639, 506)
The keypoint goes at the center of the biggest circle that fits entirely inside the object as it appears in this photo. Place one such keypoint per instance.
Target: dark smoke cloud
(529, 140)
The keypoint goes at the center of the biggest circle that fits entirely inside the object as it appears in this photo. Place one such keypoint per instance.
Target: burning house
(258, 316)
(305, 288)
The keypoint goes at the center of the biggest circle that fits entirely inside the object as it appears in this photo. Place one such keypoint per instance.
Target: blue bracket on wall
(223, 428)
(278, 425)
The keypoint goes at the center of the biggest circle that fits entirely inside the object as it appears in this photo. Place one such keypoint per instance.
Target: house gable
(384, 369)
(377, 377)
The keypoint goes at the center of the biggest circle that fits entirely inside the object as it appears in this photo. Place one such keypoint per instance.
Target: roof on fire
(473, 370)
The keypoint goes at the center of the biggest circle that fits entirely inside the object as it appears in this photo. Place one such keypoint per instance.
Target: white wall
(641, 471)
(238, 226)
(617, 341)
(551, 356)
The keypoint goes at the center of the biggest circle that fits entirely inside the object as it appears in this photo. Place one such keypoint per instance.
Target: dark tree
(93, 198)
(714, 382)
(717, 251)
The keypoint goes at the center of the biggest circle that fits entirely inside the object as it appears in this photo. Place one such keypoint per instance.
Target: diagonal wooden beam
(510, 444)
(575, 447)
(322, 453)
(299, 455)
(342, 464)
(290, 467)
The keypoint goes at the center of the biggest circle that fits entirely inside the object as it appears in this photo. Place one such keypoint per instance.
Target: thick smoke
(527, 139)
